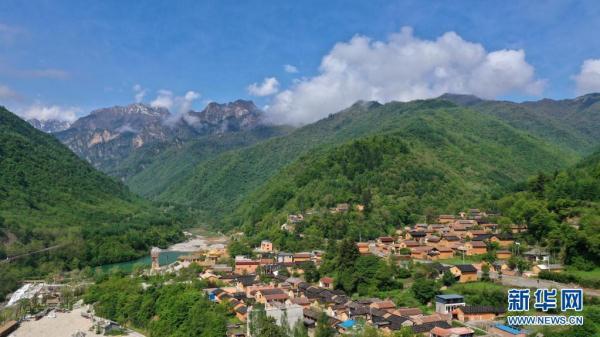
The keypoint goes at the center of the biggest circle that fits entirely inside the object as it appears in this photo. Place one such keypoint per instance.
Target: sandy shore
(63, 325)
(198, 242)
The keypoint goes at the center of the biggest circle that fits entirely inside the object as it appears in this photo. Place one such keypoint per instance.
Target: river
(195, 242)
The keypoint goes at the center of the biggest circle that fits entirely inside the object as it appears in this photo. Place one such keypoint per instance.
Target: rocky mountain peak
(232, 116)
(133, 109)
(219, 111)
(49, 125)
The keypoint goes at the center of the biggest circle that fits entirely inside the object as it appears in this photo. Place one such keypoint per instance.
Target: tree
(300, 330)
(236, 248)
(424, 290)
(348, 254)
(485, 272)
(311, 274)
(405, 331)
(448, 278)
(403, 273)
(384, 277)
(323, 328)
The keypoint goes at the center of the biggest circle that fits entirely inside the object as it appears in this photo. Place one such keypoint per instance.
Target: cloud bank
(269, 86)
(179, 105)
(53, 112)
(164, 99)
(588, 79)
(403, 68)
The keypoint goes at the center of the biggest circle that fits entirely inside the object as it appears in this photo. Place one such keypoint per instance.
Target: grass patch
(585, 275)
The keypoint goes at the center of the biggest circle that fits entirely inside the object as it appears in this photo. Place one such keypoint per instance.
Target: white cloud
(290, 69)
(139, 93)
(179, 104)
(403, 68)
(184, 103)
(269, 86)
(588, 79)
(42, 112)
(164, 99)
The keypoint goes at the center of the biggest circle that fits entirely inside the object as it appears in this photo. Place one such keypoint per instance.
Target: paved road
(524, 282)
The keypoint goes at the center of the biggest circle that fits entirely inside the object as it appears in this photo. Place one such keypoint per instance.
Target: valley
(299, 169)
(368, 171)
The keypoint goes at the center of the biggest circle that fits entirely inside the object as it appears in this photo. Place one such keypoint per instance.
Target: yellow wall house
(464, 272)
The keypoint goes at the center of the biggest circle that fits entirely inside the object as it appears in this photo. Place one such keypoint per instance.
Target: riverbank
(194, 243)
(198, 242)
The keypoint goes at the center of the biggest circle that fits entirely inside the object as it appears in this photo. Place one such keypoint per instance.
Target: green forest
(49, 197)
(456, 140)
(562, 212)
(175, 310)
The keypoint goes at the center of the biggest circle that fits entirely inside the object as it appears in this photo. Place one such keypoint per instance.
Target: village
(444, 245)
(273, 281)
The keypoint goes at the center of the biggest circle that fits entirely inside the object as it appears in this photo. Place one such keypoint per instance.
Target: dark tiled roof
(314, 290)
(426, 327)
(359, 310)
(274, 291)
(505, 236)
(378, 312)
(466, 268)
(246, 280)
(440, 268)
(303, 285)
(482, 237)
(340, 299)
(396, 321)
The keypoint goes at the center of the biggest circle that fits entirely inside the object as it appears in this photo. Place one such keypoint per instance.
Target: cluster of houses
(304, 303)
(449, 237)
(270, 260)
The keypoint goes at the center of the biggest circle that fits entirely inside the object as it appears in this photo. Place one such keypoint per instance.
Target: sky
(298, 60)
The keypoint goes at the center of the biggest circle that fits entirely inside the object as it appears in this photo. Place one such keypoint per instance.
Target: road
(524, 282)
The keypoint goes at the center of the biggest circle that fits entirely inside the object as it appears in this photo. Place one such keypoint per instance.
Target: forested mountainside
(151, 171)
(570, 123)
(467, 153)
(50, 197)
(215, 158)
(562, 211)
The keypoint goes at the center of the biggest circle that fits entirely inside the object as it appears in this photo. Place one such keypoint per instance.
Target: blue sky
(84, 55)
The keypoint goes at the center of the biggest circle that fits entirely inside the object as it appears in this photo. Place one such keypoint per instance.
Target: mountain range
(110, 137)
(224, 167)
(215, 159)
